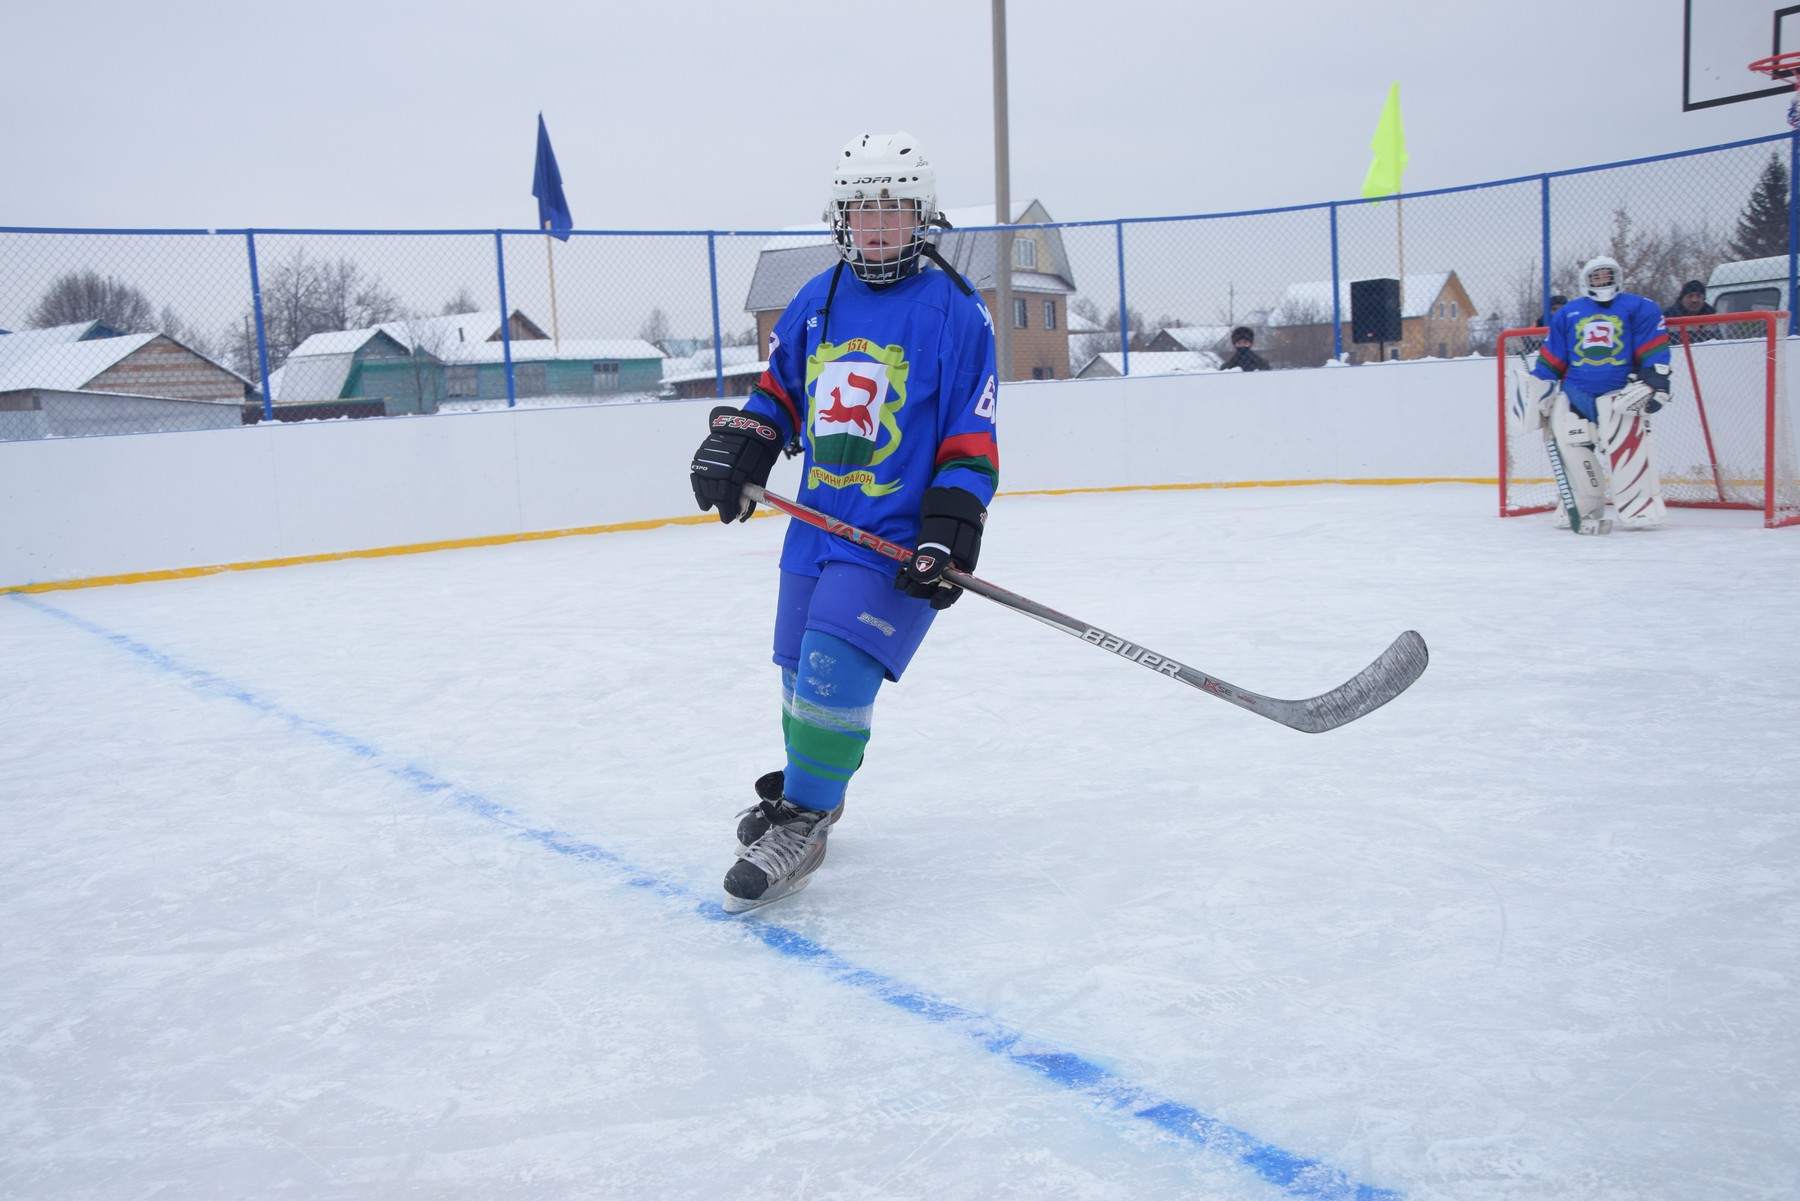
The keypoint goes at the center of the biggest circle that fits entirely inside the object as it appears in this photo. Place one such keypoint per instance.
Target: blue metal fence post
(712, 267)
(1544, 290)
(1793, 227)
(1337, 318)
(1124, 325)
(505, 321)
(262, 336)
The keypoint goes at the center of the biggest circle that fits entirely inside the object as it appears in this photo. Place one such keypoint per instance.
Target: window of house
(1024, 254)
(1440, 308)
(531, 379)
(1020, 314)
(1393, 354)
(462, 381)
(1453, 308)
(1049, 314)
(606, 377)
(1443, 350)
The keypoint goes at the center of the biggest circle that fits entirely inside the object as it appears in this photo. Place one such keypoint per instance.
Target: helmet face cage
(1604, 288)
(883, 199)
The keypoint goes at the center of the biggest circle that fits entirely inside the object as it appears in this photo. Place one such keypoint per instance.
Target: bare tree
(171, 323)
(90, 296)
(655, 329)
(348, 299)
(462, 302)
(302, 296)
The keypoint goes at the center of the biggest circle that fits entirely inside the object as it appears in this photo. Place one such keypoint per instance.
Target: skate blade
(736, 905)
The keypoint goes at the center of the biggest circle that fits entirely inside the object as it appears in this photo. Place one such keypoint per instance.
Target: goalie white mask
(1600, 279)
(883, 200)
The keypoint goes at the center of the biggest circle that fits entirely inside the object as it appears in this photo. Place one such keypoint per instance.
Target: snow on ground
(397, 877)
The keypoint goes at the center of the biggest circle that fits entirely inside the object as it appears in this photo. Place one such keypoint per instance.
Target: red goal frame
(1749, 334)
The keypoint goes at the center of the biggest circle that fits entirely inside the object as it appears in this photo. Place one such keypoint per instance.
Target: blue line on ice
(1294, 1174)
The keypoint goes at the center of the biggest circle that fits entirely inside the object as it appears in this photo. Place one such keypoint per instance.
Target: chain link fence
(135, 331)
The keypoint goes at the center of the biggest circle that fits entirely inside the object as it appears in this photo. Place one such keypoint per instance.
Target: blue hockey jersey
(1594, 347)
(891, 392)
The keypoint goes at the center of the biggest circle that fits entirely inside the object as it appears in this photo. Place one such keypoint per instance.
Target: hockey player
(882, 371)
(1609, 350)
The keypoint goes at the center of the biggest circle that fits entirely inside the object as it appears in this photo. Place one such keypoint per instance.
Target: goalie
(1601, 373)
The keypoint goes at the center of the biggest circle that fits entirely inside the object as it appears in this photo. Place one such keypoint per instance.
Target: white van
(1749, 286)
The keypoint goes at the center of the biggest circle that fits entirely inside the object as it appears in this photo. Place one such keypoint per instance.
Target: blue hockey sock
(828, 704)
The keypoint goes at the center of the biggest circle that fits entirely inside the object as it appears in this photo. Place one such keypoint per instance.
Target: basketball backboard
(1720, 38)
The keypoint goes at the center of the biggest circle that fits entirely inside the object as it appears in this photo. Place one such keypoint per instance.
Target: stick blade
(1392, 673)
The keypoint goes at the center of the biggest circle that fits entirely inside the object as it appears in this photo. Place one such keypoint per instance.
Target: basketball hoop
(1783, 68)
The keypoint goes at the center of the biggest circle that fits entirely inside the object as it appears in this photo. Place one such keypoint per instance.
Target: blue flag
(546, 185)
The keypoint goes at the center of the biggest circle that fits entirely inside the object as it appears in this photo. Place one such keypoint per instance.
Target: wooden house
(86, 378)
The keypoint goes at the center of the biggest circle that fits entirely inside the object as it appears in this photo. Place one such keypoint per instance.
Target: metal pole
(1003, 319)
(1337, 308)
(505, 321)
(1544, 222)
(712, 269)
(1124, 325)
(262, 336)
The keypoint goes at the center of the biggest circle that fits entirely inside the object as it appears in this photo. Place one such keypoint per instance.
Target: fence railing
(116, 330)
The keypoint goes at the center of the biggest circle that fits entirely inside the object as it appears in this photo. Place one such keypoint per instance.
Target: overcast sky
(695, 114)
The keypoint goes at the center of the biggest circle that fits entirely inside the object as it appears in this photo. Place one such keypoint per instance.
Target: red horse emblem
(857, 415)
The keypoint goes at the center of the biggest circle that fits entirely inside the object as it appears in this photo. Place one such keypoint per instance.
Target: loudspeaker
(1375, 310)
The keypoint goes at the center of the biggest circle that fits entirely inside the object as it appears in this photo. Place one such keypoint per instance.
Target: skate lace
(782, 847)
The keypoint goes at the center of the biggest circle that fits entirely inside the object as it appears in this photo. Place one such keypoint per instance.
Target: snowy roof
(1195, 337)
(1310, 303)
(677, 371)
(543, 349)
(66, 365)
(701, 361)
(1149, 362)
(22, 345)
(426, 332)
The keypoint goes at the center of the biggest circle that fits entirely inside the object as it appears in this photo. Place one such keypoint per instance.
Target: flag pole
(550, 253)
(1400, 240)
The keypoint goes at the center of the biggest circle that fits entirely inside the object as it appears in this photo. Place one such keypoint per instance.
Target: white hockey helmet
(1605, 289)
(873, 171)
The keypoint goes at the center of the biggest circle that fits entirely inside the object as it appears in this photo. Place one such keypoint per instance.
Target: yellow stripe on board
(186, 573)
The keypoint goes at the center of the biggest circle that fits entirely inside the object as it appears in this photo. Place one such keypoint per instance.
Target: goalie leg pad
(1631, 461)
(1577, 439)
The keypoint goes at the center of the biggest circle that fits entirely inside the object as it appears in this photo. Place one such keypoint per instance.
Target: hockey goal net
(1726, 440)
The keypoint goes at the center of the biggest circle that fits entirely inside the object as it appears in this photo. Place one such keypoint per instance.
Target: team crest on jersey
(854, 390)
(1600, 341)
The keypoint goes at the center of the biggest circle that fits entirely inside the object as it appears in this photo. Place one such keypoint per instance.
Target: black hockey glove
(1657, 376)
(741, 449)
(949, 536)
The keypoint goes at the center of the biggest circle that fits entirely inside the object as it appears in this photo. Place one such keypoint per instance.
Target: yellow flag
(1389, 146)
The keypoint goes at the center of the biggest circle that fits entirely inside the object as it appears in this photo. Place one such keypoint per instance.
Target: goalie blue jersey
(1594, 347)
(890, 392)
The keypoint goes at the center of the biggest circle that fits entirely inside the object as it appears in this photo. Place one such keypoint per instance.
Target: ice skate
(782, 860)
(753, 822)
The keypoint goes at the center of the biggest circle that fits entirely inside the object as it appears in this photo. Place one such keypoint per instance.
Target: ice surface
(397, 877)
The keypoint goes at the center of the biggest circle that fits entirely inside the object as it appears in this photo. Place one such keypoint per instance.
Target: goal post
(1725, 441)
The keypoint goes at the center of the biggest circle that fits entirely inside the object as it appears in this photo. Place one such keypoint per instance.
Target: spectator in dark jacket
(1691, 303)
(1242, 356)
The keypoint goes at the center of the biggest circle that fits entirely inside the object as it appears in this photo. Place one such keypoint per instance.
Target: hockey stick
(1372, 687)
